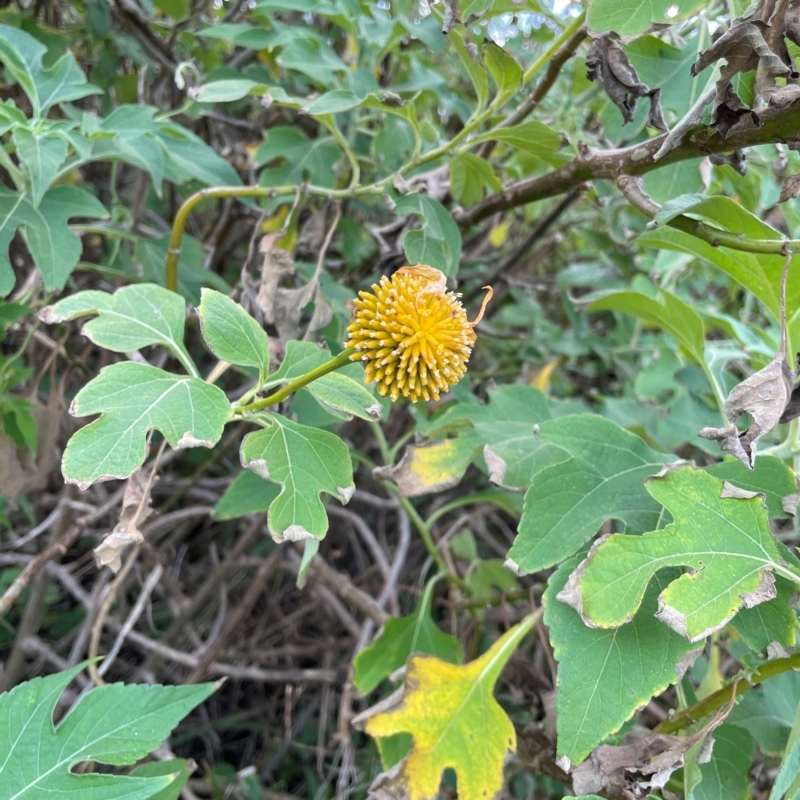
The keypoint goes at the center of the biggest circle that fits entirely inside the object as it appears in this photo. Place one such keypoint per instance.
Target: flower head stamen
(412, 335)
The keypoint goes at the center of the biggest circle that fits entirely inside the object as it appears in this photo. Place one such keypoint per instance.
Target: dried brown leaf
(755, 42)
(642, 765)
(607, 62)
(790, 188)
(283, 307)
(764, 395)
(135, 510)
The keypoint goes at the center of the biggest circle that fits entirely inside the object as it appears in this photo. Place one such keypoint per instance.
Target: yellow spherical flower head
(412, 335)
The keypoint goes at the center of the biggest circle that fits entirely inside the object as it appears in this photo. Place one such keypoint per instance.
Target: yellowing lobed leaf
(454, 720)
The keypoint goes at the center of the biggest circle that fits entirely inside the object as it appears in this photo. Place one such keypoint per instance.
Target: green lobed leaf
(232, 334)
(772, 621)
(246, 494)
(767, 712)
(724, 539)
(627, 18)
(133, 317)
(54, 247)
(132, 400)
(42, 155)
(114, 724)
(672, 315)
(770, 475)
(724, 777)
(605, 675)
(402, 636)
(64, 80)
(306, 462)
(505, 425)
(176, 767)
(438, 243)
(599, 475)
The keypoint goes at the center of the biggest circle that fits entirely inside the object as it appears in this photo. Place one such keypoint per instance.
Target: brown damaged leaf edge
(765, 396)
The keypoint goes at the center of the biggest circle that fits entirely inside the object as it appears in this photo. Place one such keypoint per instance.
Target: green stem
(555, 46)
(683, 719)
(422, 527)
(355, 168)
(298, 383)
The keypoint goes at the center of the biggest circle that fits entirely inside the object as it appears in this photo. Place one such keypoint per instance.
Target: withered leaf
(647, 763)
(790, 188)
(135, 510)
(607, 62)
(755, 42)
(281, 306)
(764, 395)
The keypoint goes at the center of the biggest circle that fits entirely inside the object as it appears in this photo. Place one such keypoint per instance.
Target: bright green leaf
(505, 71)
(132, 318)
(22, 56)
(402, 636)
(232, 334)
(334, 102)
(475, 70)
(725, 776)
(605, 675)
(772, 621)
(134, 399)
(300, 358)
(342, 393)
(42, 155)
(770, 475)
(114, 724)
(470, 176)
(724, 539)
(227, 90)
(759, 274)
(438, 243)
(172, 766)
(306, 462)
(531, 136)
(671, 315)
(246, 494)
(600, 476)
(628, 18)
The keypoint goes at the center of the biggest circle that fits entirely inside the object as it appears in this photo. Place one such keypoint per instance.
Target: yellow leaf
(454, 721)
(432, 467)
(541, 380)
(499, 233)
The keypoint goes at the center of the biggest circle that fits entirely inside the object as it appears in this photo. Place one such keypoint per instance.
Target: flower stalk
(337, 362)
